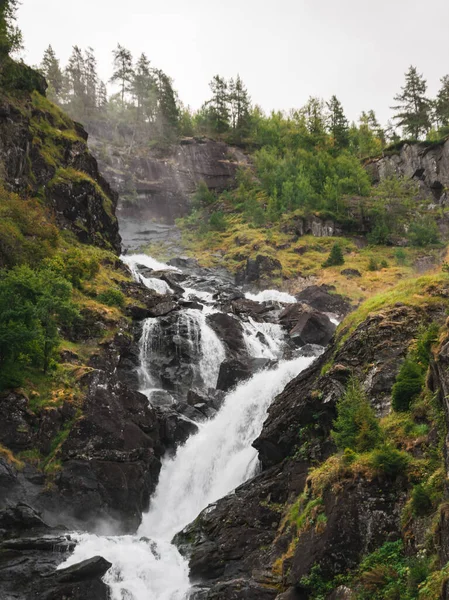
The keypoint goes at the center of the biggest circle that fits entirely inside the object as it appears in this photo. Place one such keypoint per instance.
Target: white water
(272, 334)
(132, 260)
(271, 296)
(211, 464)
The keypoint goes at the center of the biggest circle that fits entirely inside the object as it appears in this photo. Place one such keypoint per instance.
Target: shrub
(335, 257)
(408, 385)
(112, 297)
(389, 461)
(217, 221)
(421, 501)
(373, 265)
(203, 196)
(423, 232)
(356, 426)
(383, 264)
(400, 256)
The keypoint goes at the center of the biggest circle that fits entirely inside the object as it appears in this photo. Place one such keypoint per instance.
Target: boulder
(233, 371)
(313, 328)
(321, 298)
(259, 268)
(230, 331)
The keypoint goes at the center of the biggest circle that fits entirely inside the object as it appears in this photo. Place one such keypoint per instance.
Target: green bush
(420, 500)
(356, 427)
(335, 257)
(373, 264)
(401, 256)
(203, 197)
(409, 383)
(389, 461)
(112, 297)
(217, 221)
(423, 232)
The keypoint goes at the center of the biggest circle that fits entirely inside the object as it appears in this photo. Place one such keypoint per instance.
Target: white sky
(284, 50)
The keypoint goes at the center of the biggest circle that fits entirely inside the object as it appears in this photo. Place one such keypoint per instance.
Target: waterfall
(212, 462)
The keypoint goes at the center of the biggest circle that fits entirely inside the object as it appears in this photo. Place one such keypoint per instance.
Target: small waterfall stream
(212, 463)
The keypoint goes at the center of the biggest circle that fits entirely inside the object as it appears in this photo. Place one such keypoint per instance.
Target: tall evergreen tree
(240, 105)
(76, 82)
(91, 79)
(52, 72)
(413, 108)
(123, 70)
(442, 103)
(315, 122)
(10, 35)
(167, 103)
(102, 96)
(218, 105)
(337, 123)
(145, 90)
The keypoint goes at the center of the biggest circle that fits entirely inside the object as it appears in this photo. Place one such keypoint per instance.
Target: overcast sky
(284, 50)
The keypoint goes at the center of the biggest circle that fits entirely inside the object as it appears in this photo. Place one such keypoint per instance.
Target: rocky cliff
(156, 184)
(427, 163)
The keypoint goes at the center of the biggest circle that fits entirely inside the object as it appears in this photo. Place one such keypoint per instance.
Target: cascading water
(271, 296)
(213, 462)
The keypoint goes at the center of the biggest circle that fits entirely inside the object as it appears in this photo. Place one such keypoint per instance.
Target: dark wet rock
(260, 268)
(341, 593)
(233, 371)
(351, 273)
(175, 428)
(90, 568)
(111, 457)
(313, 328)
(184, 263)
(320, 298)
(162, 309)
(17, 431)
(230, 331)
(191, 304)
(259, 311)
(19, 518)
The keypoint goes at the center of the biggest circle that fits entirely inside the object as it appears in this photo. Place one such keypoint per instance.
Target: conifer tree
(123, 70)
(240, 105)
(52, 72)
(167, 102)
(76, 83)
(337, 123)
(413, 108)
(218, 105)
(91, 79)
(442, 103)
(144, 90)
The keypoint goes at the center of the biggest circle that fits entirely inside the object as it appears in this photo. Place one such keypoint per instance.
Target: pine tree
(123, 70)
(240, 105)
(168, 110)
(442, 103)
(413, 108)
(10, 35)
(314, 119)
(337, 123)
(144, 90)
(102, 96)
(91, 79)
(76, 83)
(335, 257)
(218, 110)
(52, 72)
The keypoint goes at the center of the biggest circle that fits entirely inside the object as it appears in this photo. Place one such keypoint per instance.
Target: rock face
(429, 165)
(59, 164)
(162, 181)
